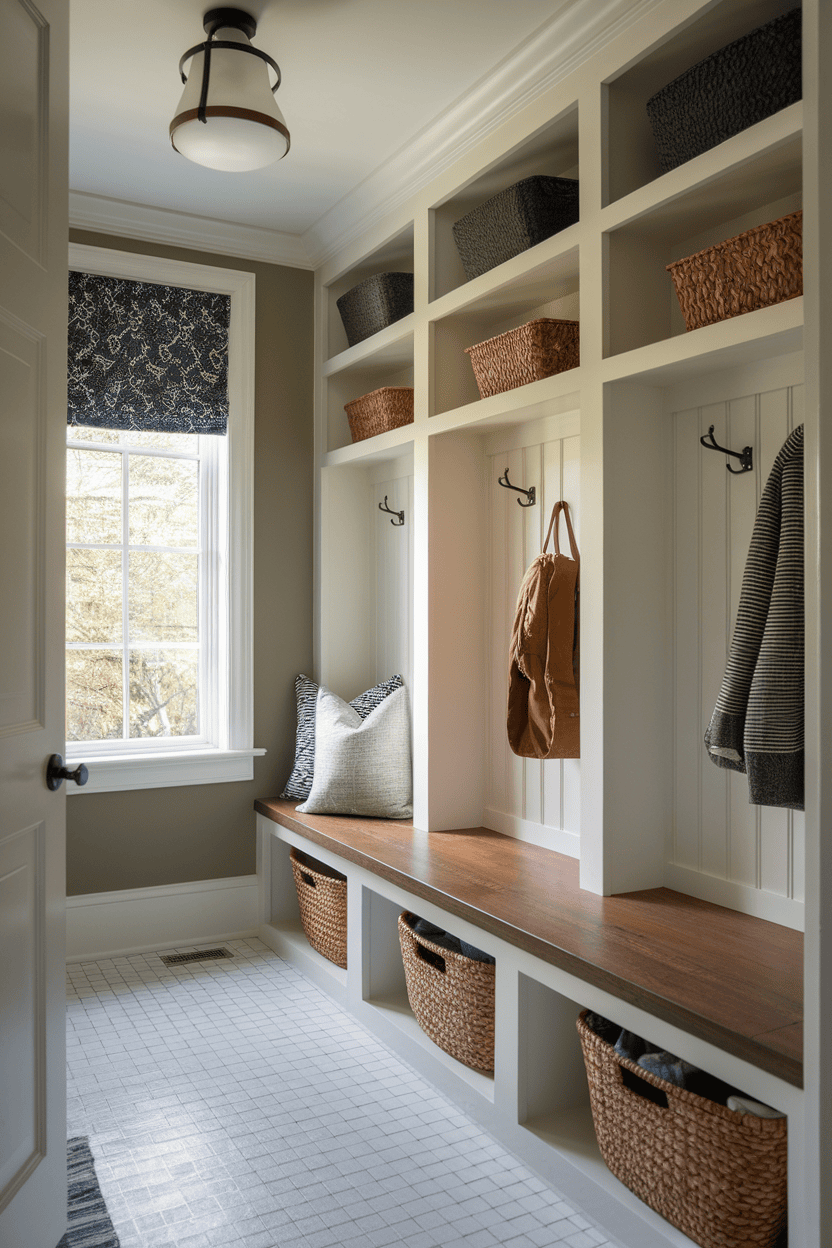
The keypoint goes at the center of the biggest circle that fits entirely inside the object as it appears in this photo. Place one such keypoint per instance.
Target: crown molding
(179, 229)
(578, 30)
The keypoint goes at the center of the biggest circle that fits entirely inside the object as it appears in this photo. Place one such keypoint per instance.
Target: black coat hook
(530, 492)
(383, 507)
(744, 456)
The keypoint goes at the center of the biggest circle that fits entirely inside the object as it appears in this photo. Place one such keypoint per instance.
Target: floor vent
(201, 955)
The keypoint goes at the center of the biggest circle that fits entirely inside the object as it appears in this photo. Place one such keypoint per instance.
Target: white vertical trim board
(139, 920)
(392, 591)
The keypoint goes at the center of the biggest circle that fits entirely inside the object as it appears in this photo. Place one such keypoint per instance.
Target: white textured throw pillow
(362, 766)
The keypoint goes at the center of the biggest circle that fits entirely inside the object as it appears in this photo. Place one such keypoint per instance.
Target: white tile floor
(232, 1103)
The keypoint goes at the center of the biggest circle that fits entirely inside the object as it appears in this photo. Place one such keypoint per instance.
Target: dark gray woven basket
(513, 220)
(729, 91)
(374, 304)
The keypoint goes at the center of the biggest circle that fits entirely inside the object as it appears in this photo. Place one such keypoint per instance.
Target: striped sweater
(757, 724)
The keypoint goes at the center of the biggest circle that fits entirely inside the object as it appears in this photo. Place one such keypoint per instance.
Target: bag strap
(554, 525)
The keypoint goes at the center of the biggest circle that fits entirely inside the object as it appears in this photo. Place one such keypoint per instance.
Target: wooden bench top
(729, 978)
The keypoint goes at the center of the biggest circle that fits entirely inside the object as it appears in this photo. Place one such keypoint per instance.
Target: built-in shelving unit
(663, 532)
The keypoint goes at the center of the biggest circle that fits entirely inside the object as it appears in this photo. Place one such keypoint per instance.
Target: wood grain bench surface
(726, 977)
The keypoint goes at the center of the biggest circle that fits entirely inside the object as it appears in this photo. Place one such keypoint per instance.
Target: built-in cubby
(548, 288)
(393, 255)
(364, 368)
(632, 156)
(552, 151)
(368, 629)
(643, 306)
(663, 532)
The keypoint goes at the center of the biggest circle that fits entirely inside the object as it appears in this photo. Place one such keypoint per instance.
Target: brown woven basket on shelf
(322, 897)
(532, 351)
(719, 1176)
(452, 997)
(380, 410)
(753, 270)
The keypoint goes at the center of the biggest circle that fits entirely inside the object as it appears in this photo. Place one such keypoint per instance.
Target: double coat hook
(744, 456)
(530, 493)
(397, 522)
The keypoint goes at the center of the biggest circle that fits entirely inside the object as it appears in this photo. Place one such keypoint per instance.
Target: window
(159, 680)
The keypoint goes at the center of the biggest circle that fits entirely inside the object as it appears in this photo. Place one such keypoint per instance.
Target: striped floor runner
(88, 1222)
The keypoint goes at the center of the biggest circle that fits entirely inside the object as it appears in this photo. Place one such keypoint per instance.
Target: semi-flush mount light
(227, 117)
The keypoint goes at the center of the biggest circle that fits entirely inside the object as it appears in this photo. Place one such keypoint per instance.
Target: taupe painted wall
(202, 832)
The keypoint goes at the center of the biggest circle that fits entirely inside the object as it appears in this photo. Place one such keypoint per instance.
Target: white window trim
(232, 758)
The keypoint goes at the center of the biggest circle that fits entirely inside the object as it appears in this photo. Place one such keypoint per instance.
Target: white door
(33, 265)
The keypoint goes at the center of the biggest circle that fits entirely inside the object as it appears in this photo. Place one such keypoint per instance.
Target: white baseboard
(558, 839)
(139, 920)
(756, 901)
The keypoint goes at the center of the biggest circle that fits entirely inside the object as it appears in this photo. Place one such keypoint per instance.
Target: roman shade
(147, 357)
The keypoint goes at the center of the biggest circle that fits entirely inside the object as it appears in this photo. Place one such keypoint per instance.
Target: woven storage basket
(322, 897)
(452, 997)
(380, 410)
(753, 270)
(734, 88)
(719, 1176)
(513, 220)
(534, 350)
(375, 303)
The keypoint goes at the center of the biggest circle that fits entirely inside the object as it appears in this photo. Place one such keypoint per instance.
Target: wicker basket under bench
(719, 1176)
(322, 897)
(451, 995)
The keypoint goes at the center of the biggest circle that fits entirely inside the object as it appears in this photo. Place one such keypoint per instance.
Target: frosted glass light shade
(244, 129)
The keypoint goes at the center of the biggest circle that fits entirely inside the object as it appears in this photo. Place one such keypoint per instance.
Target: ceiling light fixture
(227, 117)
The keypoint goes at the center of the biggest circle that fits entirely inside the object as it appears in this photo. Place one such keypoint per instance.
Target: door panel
(33, 277)
(23, 1137)
(24, 104)
(21, 551)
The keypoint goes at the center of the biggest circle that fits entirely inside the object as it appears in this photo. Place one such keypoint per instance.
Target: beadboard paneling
(392, 572)
(747, 856)
(531, 799)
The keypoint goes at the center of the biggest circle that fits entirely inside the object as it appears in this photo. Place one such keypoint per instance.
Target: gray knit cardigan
(757, 724)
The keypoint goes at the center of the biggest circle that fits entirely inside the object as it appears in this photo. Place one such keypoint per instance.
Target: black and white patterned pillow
(299, 784)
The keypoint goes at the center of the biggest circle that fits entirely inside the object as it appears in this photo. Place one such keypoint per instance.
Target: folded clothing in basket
(657, 1061)
(423, 927)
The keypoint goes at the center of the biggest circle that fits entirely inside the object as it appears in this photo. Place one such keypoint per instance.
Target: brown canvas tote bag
(543, 715)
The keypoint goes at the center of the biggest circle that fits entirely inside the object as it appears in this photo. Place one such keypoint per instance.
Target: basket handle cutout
(307, 879)
(433, 959)
(647, 1091)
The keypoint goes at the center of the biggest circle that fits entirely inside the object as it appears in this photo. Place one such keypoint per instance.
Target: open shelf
(390, 348)
(741, 340)
(394, 255)
(547, 290)
(642, 304)
(384, 447)
(632, 157)
(363, 377)
(539, 400)
(396, 1010)
(552, 151)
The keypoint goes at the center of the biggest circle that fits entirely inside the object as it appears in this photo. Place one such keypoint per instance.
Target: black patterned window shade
(147, 357)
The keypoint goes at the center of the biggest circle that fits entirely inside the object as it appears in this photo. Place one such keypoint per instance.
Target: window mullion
(125, 593)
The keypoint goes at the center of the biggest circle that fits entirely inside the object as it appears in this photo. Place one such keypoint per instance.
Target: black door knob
(56, 773)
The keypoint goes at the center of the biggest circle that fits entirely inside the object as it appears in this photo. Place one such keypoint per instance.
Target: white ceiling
(361, 79)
